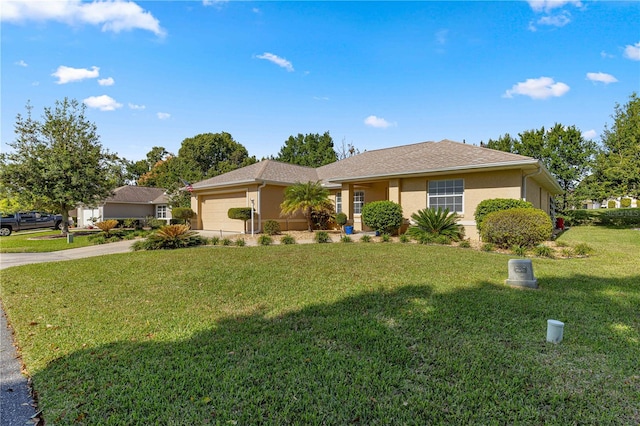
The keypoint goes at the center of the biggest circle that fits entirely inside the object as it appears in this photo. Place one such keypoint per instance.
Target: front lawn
(332, 334)
(40, 242)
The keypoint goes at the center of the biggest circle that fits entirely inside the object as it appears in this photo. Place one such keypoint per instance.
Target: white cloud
(214, 2)
(103, 103)
(281, 62)
(378, 122)
(548, 5)
(632, 51)
(163, 115)
(559, 20)
(67, 74)
(538, 88)
(605, 55)
(22, 63)
(589, 134)
(111, 15)
(106, 81)
(601, 77)
(138, 107)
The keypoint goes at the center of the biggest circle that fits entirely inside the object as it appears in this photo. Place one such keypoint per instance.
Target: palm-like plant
(435, 223)
(305, 197)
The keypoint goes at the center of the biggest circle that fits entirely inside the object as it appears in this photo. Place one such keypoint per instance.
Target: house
(443, 174)
(128, 202)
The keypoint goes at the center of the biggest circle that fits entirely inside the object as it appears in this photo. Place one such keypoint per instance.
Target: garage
(215, 208)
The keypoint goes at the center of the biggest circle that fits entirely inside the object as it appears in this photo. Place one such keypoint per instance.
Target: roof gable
(266, 170)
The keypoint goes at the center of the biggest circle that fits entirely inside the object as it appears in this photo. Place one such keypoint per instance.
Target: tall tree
(305, 197)
(313, 150)
(563, 150)
(617, 172)
(211, 154)
(59, 162)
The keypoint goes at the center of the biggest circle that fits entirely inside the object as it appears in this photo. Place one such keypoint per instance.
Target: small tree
(240, 213)
(383, 216)
(183, 213)
(305, 197)
(341, 220)
(58, 163)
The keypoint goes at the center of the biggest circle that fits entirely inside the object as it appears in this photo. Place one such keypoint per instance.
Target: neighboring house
(128, 202)
(430, 174)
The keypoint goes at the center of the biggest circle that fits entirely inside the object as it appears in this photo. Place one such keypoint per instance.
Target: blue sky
(373, 74)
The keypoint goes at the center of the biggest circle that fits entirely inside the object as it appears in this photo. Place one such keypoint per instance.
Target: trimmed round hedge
(384, 216)
(497, 204)
(524, 227)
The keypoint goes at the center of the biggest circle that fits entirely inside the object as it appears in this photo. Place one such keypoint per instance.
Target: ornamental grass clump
(265, 240)
(287, 239)
(171, 237)
(525, 227)
(322, 237)
(430, 223)
(106, 226)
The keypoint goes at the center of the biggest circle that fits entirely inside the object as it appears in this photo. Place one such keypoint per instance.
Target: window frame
(358, 203)
(161, 211)
(446, 194)
(338, 202)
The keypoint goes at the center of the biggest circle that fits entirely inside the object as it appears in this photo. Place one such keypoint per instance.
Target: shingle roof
(266, 170)
(418, 158)
(138, 195)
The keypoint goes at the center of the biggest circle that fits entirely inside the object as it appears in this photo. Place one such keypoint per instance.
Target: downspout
(523, 191)
(264, 183)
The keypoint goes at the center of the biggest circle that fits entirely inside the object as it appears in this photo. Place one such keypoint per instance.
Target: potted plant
(341, 220)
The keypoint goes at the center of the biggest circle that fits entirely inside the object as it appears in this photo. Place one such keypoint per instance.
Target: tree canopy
(312, 150)
(617, 170)
(211, 154)
(562, 149)
(58, 163)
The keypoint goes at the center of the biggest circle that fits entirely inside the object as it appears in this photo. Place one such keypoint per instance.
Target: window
(161, 212)
(358, 202)
(338, 202)
(446, 194)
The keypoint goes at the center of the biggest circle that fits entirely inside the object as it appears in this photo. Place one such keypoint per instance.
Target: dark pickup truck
(28, 220)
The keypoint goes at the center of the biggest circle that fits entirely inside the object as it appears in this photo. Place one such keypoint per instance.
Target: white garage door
(215, 210)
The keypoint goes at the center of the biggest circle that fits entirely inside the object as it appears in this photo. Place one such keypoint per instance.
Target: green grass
(25, 243)
(332, 334)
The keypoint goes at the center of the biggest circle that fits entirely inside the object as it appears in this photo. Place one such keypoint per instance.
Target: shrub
(583, 249)
(519, 251)
(153, 223)
(322, 237)
(465, 244)
(172, 237)
(520, 226)
(265, 240)
(287, 239)
(385, 238)
(131, 223)
(214, 241)
(580, 217)
(341, 219)
(322, 216)
(225, 242)
(442, 239)
(183, 214)
(346, 239)
(625, 202)
(611, 204)
(542, 250)
(567, 252)
(488, 247)
(240, 242)
(620, 217)
(366, 238)
(271, 227)
(434, 223)
(404, 238)
(497, 204)
(106, 226)
(382, 216)
(425, 238)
